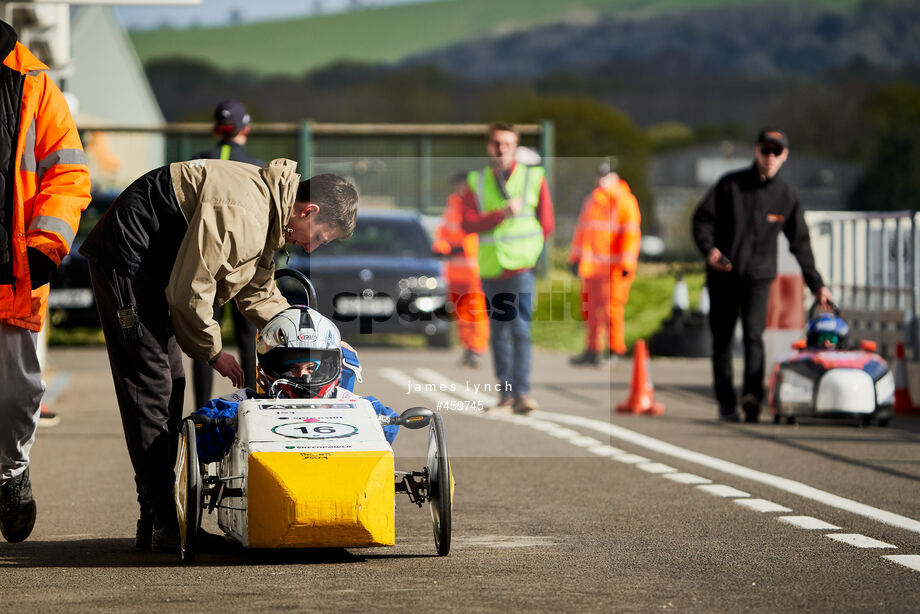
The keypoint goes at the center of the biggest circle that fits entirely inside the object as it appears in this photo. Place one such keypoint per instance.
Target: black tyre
(776, 418)
(883, 421)
(440, 485)
(790, 419)
(188, 491)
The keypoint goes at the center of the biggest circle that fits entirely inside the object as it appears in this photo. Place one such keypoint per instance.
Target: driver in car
(299, 355)
(827, 331)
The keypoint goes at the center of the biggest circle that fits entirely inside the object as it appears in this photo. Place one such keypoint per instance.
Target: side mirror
(414, 418)
(798, 344)
(869, 346)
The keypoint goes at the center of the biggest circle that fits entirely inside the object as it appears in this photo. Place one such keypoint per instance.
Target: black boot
(585, 359)
(144, 534)
(17, 508)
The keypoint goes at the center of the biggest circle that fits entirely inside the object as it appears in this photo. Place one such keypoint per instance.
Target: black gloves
(41, 267)
(573, 266)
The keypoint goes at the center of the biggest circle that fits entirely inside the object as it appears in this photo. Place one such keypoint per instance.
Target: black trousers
(149, 385)
(245, 333)
(730, 297)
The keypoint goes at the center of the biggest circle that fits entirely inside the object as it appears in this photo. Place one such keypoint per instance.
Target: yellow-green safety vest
(516, 242)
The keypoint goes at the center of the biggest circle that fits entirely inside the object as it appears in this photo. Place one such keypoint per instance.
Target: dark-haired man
(177, 240)
(232, 125)
(735, 227)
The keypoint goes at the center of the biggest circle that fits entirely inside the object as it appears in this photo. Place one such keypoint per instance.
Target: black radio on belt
(127, 313)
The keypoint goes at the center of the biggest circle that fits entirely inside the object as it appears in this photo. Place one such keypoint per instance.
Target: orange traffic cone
(641, 391)
(902, 402)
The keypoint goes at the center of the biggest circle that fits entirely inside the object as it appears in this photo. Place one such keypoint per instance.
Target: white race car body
(314, 473)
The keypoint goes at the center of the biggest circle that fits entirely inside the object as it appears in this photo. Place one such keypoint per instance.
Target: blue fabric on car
(215, 442)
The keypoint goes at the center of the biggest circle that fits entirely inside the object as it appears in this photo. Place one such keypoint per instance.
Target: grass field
(389, 34)
(558, 324)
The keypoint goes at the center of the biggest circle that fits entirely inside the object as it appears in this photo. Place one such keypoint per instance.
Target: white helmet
(299, 354)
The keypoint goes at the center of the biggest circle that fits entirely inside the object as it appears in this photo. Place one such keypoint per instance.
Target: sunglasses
(766, 149)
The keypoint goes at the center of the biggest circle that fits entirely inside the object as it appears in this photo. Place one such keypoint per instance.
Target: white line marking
(860, 541)
(605, 450)
(657, 468)
(808, 522)
(687, 478)
(784, 484)
(631, 459)
(762, 505)
(662, 447)
(721, 490)
(911, 561)
(583, 441)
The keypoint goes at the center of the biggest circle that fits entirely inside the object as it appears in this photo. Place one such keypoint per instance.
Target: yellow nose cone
(321, 499)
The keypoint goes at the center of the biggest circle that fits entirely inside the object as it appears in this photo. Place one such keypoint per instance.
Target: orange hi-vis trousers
(472, 316)
(603, 305)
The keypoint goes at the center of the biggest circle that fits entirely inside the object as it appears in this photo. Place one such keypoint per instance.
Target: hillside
(391, 34)
(761, 42)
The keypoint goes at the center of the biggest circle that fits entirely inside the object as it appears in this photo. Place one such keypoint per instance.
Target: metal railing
(871, 262)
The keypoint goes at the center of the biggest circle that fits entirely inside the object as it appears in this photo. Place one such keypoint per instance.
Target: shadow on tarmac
(120, 552)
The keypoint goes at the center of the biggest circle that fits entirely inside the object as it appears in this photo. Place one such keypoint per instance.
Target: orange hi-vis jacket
(450, 239)
(607, 233)
(51, 185)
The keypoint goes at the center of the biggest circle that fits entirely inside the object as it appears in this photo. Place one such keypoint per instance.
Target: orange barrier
(641, 390)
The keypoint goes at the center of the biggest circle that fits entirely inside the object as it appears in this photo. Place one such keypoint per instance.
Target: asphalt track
(571, 509)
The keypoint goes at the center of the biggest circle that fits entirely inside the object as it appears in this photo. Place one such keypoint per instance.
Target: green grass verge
(558, 324)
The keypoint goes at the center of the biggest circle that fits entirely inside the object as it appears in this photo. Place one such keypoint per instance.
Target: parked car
(383, 279)
(71, 301)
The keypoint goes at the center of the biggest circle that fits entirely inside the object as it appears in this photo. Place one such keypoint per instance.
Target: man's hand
(717, 260)
(573, 266)
(228, 366)
(514, 205)
(824, 296)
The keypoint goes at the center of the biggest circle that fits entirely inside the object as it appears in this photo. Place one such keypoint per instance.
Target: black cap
(607, 166)
(773, 135)
(231, 116)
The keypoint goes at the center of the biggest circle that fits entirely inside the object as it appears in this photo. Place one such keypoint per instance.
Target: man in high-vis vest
(232, 124)
(604, 254)
(464, 288)
(509, 205)
(44, 187)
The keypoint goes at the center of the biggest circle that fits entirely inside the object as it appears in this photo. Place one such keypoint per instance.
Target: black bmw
(383, 279)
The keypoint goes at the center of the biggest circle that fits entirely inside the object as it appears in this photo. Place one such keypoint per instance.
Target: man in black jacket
(231, 127)
(735, 227)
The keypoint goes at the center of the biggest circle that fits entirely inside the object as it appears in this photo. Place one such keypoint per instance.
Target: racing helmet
(826, 330)
(299, 355)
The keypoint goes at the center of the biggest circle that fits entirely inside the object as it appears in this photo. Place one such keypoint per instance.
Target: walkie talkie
(127, 312)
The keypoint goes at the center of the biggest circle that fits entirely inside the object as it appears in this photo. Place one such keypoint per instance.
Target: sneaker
(751, 407)
(470, 359)
(47, 417)
(504, 403)
(585, 359)
(17, 508)
(728, 415)
(525, 405)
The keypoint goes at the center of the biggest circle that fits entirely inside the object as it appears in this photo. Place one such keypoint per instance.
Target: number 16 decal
(315, 430)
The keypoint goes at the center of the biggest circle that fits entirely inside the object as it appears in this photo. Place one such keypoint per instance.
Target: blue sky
(220, 12)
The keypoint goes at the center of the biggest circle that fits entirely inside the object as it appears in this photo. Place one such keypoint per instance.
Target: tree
(891, 180)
